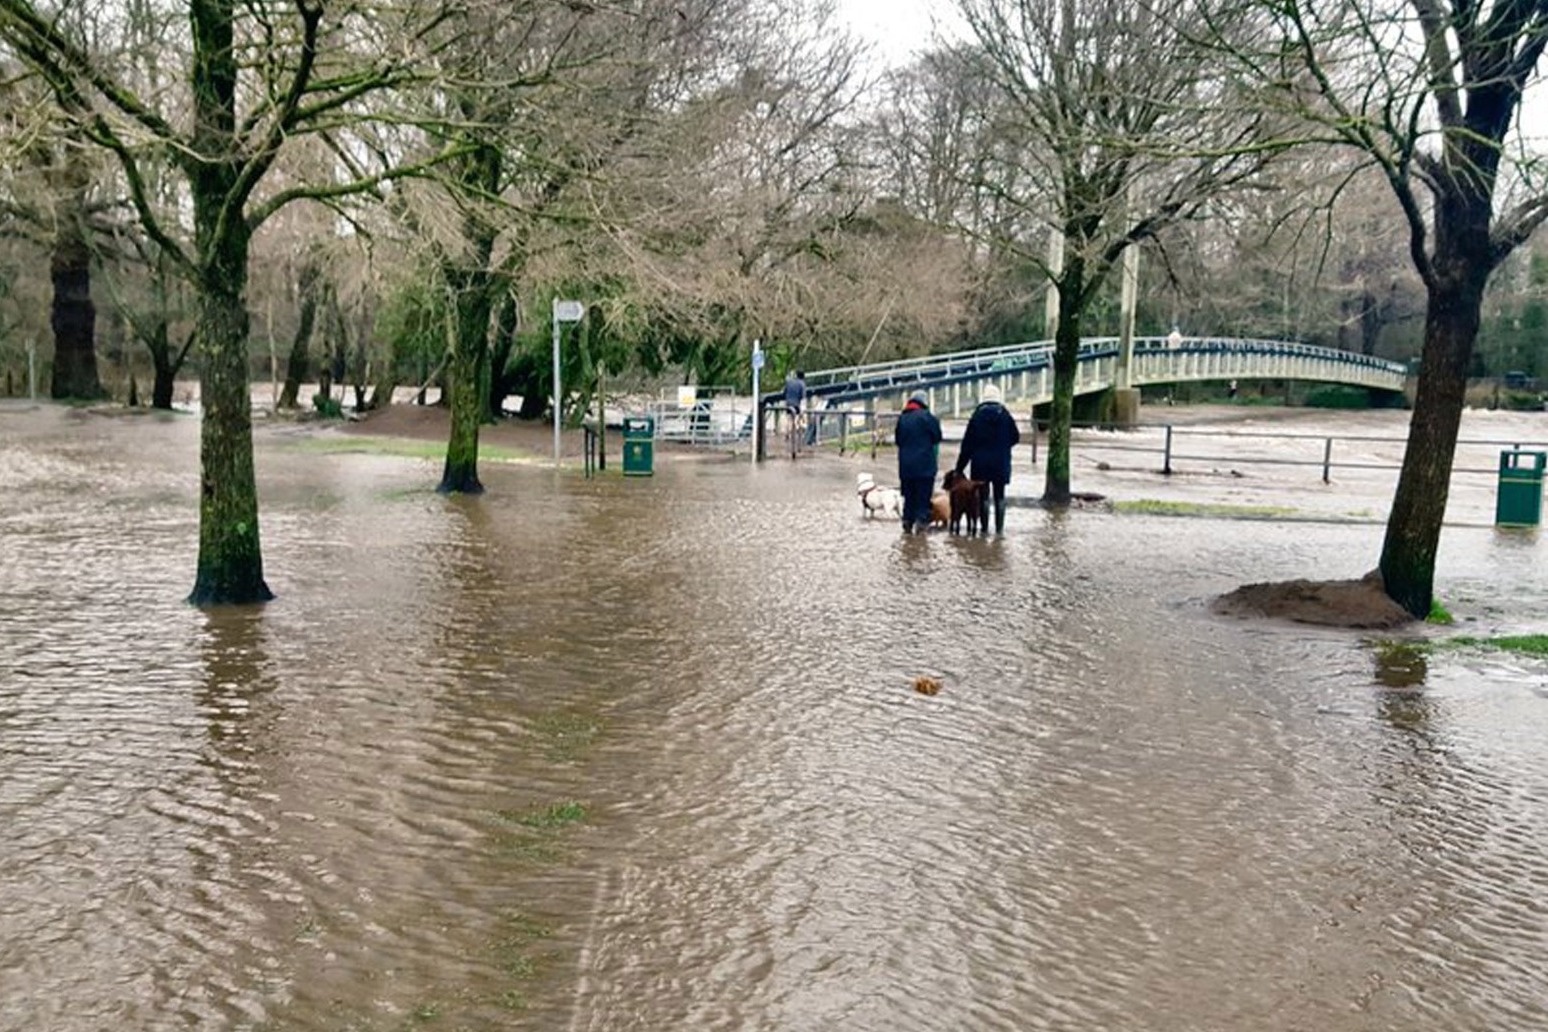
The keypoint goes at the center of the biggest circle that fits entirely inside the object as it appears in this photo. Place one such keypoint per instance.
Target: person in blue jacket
(919, 438)
(986, 444)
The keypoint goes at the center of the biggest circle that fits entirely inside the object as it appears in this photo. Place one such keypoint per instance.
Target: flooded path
(643, 754)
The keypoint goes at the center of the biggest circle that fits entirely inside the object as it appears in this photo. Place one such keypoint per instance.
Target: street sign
(758, 358)
(568, 311)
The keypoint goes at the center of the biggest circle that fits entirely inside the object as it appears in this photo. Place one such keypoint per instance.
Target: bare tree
(257, 76)
(1429, 91)
(1107, 127)
(738, 210)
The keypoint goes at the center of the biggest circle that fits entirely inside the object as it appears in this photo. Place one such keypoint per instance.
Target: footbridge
(1024, 372)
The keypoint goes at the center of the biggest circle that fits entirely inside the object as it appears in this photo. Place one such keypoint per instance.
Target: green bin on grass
(639, 446)
(1519, 502)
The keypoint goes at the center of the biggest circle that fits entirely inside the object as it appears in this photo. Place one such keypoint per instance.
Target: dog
(875, 499)
(968, 498)
(940, 509)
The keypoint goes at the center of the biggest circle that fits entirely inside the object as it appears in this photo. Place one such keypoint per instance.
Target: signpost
(564, 311)
(757, 409)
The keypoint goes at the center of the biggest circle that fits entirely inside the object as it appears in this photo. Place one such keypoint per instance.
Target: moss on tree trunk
(230, 567)
(1419, 503)
(467, 383)
(1056, 478)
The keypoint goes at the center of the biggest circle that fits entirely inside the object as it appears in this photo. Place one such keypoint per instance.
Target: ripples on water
(346, 810)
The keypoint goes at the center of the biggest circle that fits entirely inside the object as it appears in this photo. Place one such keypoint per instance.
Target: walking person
(918, 438)
(795, 398)
(986, 443)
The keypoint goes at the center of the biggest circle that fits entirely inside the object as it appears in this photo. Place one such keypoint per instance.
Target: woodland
(378, 193)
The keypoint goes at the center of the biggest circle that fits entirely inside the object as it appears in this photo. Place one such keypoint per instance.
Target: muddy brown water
(644, 754)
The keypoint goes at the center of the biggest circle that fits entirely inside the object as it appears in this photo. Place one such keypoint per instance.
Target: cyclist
(795, 393)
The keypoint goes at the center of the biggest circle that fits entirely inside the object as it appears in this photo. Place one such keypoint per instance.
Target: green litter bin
(639, 446)
(1520, 499)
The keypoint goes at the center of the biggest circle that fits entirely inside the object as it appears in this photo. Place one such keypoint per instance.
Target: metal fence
(1183, 448)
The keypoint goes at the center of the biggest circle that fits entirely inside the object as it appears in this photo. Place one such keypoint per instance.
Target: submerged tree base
(1359, 603)
(204, 595)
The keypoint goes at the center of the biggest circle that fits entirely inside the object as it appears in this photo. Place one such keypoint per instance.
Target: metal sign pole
(757, 412)
(563, 312)
(558, 394)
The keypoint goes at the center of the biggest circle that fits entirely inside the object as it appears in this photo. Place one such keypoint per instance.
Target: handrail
(960, 366)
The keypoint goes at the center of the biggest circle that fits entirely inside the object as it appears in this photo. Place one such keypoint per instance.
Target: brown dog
(940, 509)
(967, 498)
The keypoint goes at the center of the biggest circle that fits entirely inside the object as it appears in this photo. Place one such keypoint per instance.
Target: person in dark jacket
(919, 439)
(986, 443)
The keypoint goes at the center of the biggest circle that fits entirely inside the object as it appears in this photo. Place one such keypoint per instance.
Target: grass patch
(402, 447)
(1525, 644)
(1156, 507)
(530, 835)
(517, 954)
(405, 494)
(566, 734)
(1439, 614)
(557, 815)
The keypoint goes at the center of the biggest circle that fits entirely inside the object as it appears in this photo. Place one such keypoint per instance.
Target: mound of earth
(1348, 603)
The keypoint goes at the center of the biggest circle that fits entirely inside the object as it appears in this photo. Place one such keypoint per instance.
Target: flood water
(645, 754)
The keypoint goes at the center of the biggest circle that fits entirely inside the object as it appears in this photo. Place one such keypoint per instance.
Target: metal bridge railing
(859, 381)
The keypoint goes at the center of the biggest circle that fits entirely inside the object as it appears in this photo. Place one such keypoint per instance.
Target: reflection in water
(647, 754)
(1401, 664)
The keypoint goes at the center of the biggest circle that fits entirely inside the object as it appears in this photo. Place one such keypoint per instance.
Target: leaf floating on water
(926, 685)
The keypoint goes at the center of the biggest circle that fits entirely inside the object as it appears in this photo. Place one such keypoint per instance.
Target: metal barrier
(706, 421)
(1171, 448)
(854, 430)
(595, 460)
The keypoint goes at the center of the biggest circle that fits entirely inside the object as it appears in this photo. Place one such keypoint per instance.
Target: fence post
(1166, 458)
(1327, 459)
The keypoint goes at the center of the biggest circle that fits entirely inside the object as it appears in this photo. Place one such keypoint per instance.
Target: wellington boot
(999, 516)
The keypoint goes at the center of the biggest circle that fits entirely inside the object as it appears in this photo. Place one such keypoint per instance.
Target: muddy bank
(1356, 604)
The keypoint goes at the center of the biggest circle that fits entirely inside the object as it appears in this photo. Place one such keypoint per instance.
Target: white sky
(898, 29)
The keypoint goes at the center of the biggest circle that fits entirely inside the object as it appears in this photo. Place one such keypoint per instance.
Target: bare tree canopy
(1429, 92)
(1106, 126)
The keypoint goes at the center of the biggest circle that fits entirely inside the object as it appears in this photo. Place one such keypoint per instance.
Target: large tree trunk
(1056, 478)
(73, 315)
(472, 286)
(1419, 504)
(230, 559)
(300, 344)
(162, 363)
(467, 379)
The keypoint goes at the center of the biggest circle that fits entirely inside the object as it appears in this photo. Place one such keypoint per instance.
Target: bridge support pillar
(1126, 406)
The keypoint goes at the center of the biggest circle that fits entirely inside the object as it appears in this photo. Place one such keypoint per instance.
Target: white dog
(887, 501)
